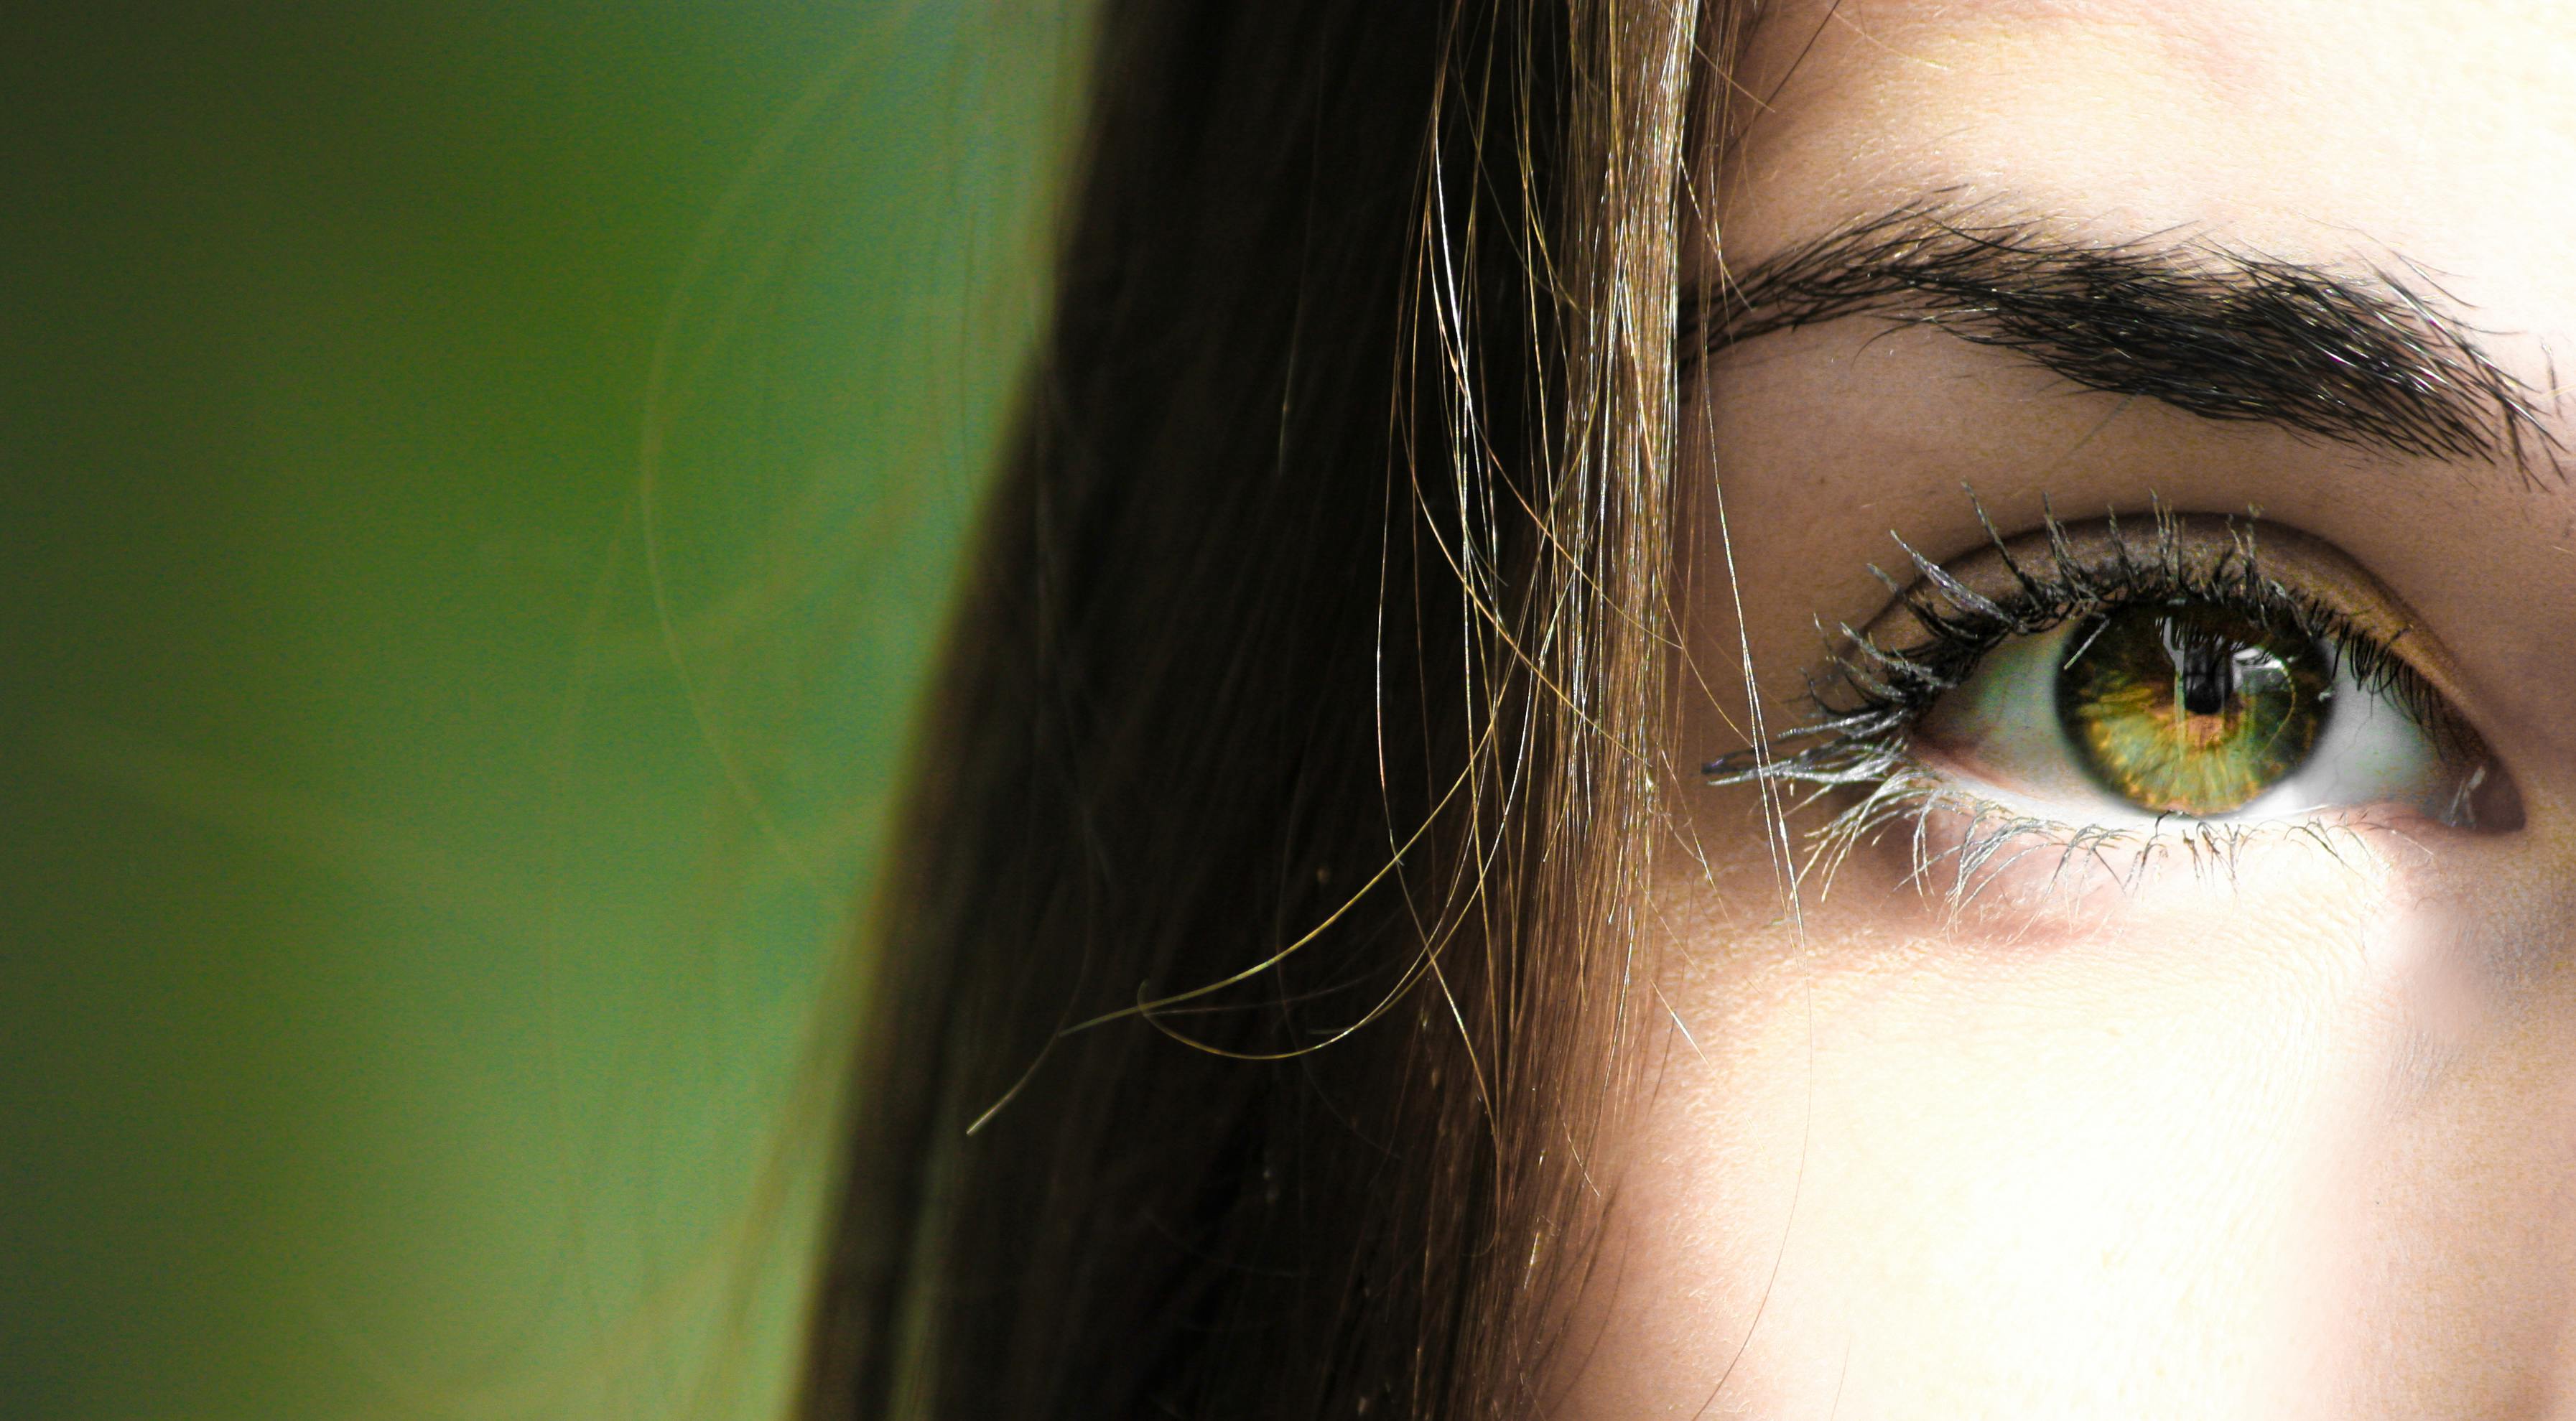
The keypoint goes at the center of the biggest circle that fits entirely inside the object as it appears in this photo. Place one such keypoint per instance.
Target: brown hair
(1311, 677)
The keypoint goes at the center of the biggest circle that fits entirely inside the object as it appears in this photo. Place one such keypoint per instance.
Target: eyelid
(2204, 544)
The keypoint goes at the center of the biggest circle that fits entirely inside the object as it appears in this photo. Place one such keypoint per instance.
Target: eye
(2205, 710)
(2196, 669)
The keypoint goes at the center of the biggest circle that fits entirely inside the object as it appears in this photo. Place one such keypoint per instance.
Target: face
(2173, 1012)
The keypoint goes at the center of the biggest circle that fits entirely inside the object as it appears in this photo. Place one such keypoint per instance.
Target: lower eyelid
(1974, 854)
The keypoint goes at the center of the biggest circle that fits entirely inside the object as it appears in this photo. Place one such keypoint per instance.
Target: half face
(2167, 1006)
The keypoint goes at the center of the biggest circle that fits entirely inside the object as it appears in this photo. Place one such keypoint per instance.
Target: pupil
(2207, 675)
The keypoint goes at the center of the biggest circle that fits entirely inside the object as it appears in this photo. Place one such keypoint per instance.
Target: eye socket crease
(2360, 357)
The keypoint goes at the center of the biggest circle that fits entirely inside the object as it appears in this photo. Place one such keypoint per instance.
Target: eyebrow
(2360, 357)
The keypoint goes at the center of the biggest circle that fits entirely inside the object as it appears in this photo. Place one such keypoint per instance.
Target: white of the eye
(2009, 746)
(2370, 752)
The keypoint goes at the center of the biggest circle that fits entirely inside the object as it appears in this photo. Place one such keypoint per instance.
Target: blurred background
(478, 482)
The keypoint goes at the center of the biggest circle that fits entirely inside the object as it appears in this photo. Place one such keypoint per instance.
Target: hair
(1253, 966)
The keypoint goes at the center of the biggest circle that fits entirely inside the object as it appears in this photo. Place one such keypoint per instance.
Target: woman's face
(2198, 1035)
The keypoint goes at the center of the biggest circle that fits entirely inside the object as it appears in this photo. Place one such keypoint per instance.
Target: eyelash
(1870, 697)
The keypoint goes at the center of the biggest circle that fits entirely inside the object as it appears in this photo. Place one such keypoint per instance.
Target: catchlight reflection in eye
(2192, 708)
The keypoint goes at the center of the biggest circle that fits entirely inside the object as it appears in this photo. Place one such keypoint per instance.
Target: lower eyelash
(1857, 739)
(1993, 840)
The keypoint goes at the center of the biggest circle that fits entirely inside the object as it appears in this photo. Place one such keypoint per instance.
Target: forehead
(2439, 134)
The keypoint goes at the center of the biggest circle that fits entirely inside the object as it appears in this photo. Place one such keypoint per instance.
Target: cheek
(2286, 1144)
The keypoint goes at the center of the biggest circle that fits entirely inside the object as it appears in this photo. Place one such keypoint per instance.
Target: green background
(477, 485)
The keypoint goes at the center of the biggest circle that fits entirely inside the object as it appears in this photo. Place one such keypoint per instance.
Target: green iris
(2191, 708)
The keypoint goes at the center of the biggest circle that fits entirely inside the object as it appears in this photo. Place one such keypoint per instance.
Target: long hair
(1252, 972)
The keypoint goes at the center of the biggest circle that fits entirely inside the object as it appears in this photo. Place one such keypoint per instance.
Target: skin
(2295, 1141)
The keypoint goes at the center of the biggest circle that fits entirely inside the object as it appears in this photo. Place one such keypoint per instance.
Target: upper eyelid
(1879, 680)
(2310, 568)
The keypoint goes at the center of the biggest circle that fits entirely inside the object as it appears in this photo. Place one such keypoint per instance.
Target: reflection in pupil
(2191, 708)
(2206, 672)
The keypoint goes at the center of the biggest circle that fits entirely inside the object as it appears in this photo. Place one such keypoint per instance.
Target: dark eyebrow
(2360, 357)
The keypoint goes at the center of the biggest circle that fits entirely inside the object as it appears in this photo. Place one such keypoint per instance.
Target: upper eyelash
(1870, 690)
(1869, 696)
